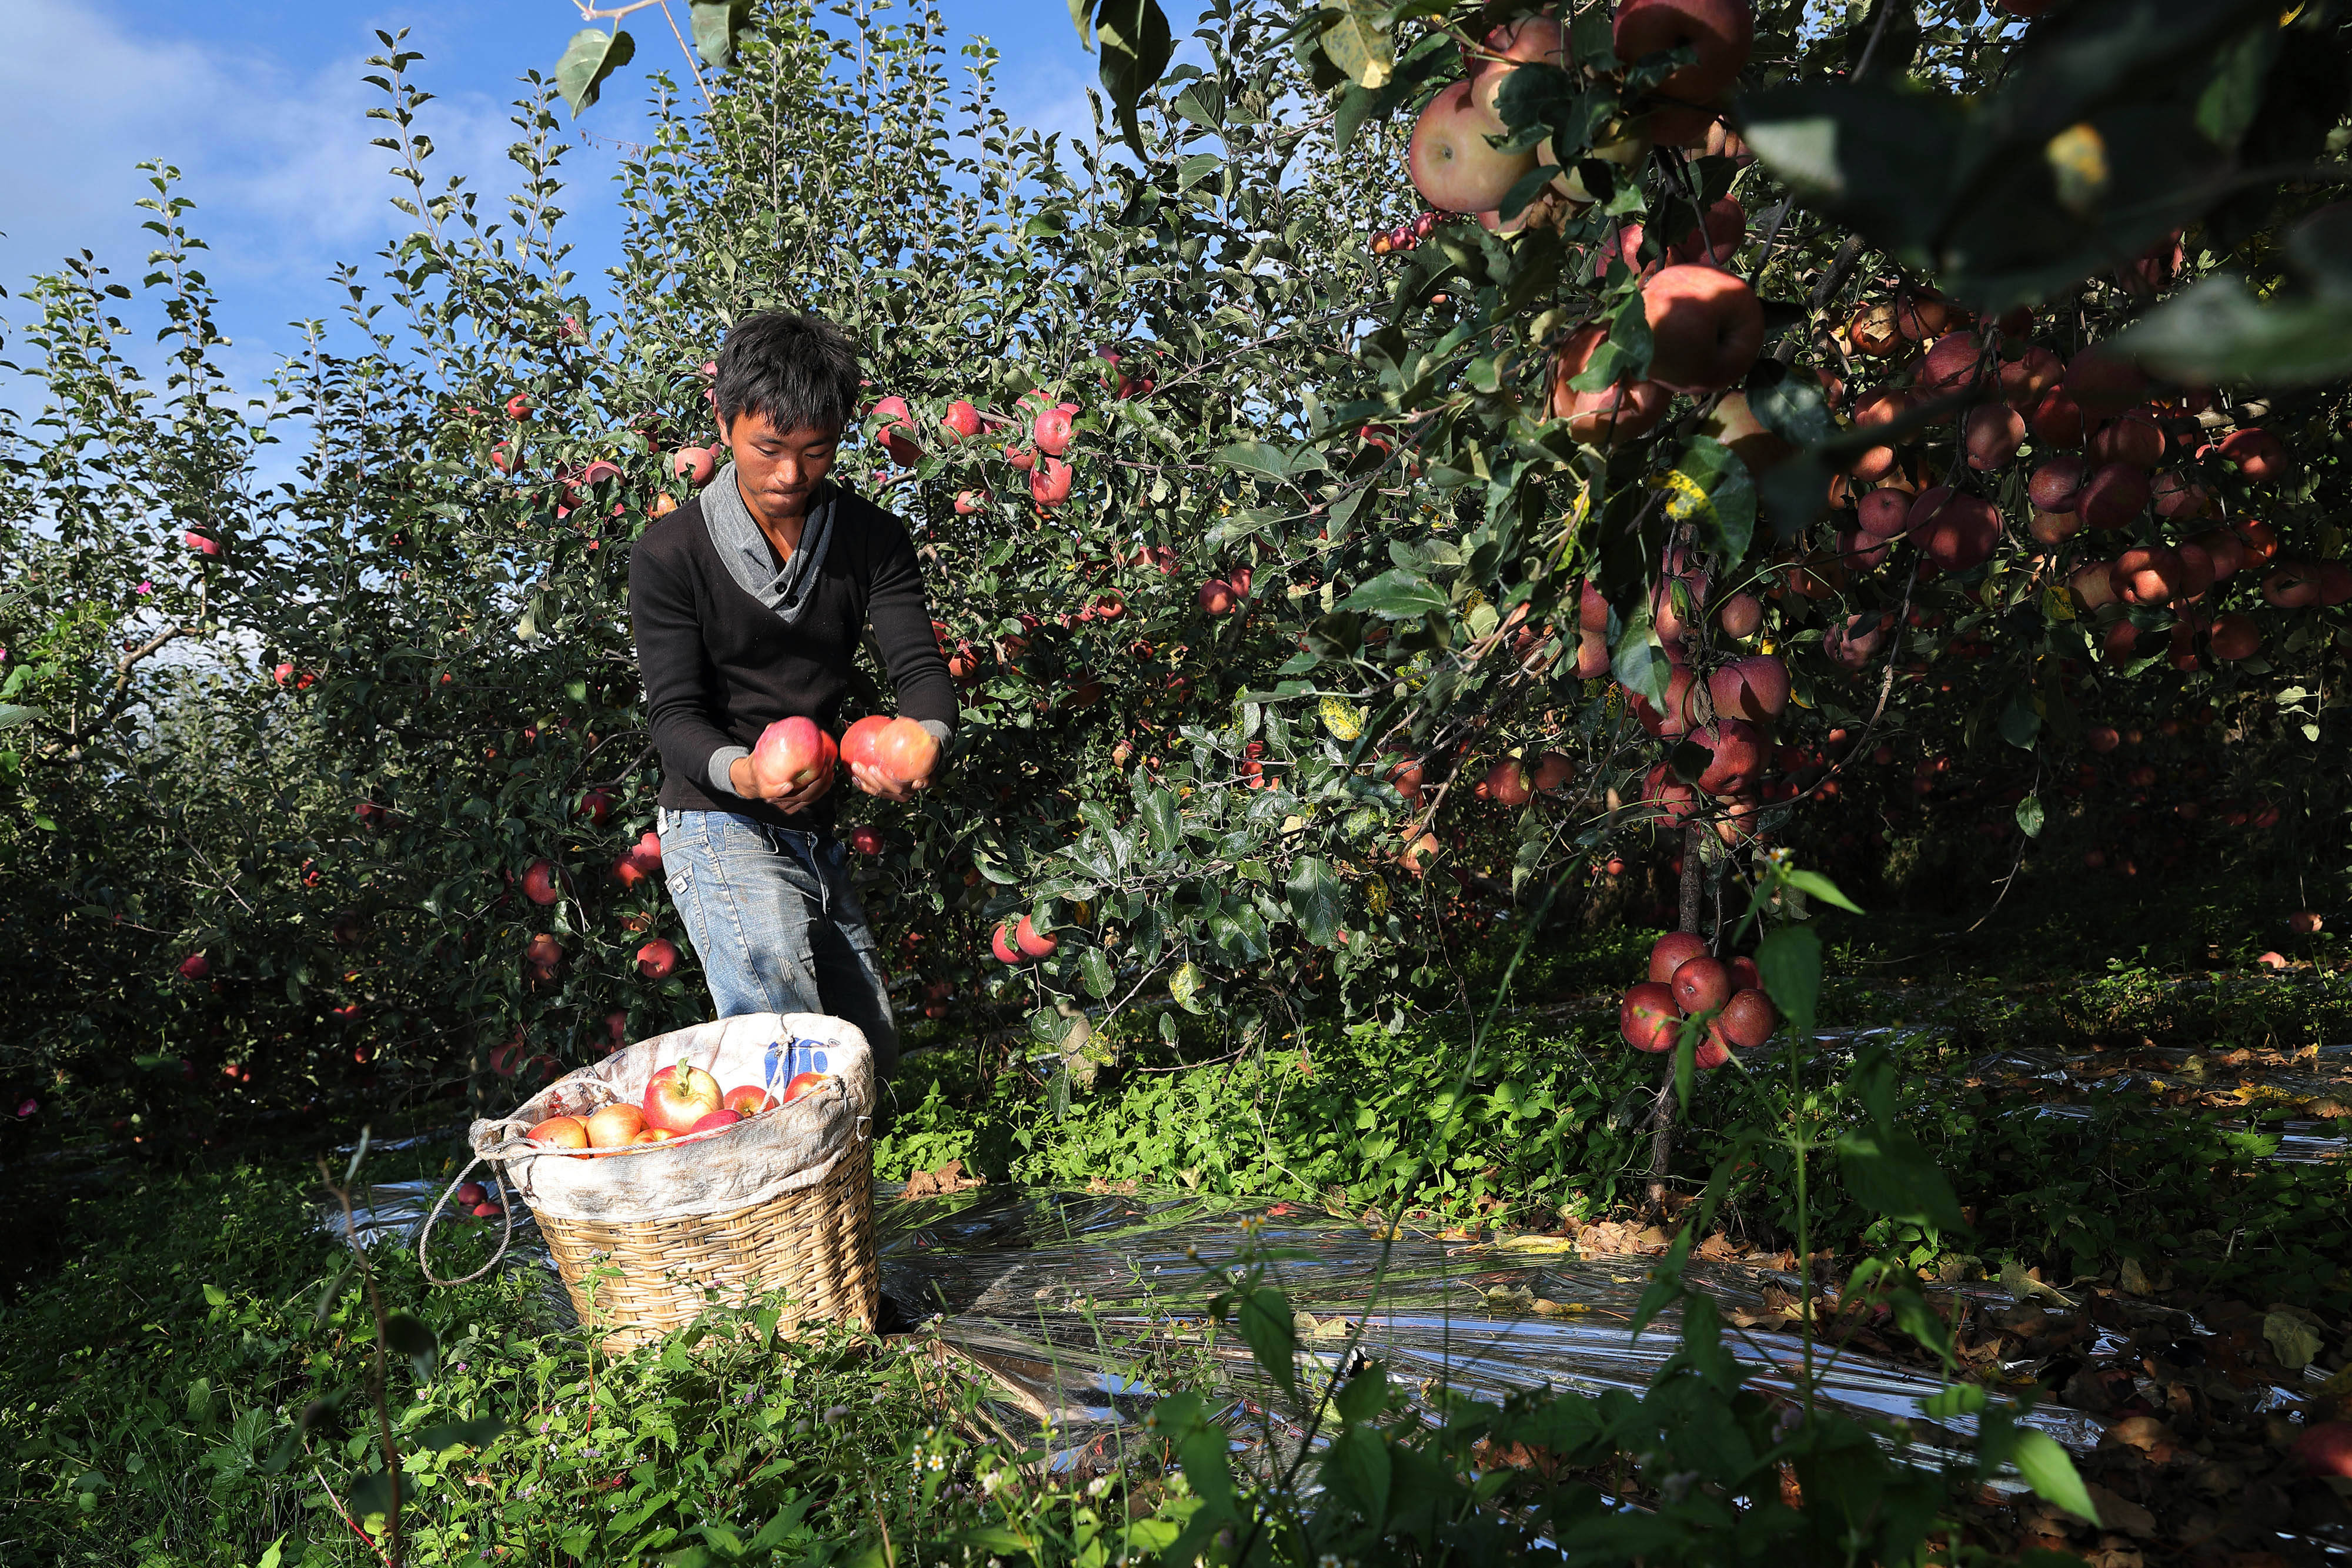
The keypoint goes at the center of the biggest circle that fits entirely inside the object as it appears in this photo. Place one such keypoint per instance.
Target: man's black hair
(799, 371)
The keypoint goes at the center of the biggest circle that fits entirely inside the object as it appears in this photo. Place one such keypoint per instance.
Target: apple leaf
(1791, 407)
(1397, 595)
(1313, 893)
(589, 58)
(1789, 959)
(1136, 47)
(2219, 332)
(408, 1336)
(1624, 354)
(2029, 816)
(2050, 1470)
(474, 1434)
(1641, 666)
(716, 24)
(1711, 486)
(1358, 44)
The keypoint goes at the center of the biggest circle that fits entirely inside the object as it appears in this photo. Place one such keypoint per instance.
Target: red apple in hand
(859, 740)
(678, 1097)
(905, 752)
(793, 752)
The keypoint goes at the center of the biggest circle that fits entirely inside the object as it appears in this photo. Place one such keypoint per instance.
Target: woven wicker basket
(815, 1246)
(648, 1238)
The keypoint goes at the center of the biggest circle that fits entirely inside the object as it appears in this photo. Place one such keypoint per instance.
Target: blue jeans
(772, 917)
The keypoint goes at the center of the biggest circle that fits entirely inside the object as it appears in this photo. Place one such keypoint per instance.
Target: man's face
(778, 470)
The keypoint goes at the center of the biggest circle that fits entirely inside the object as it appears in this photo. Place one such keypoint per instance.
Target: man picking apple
(748, 604)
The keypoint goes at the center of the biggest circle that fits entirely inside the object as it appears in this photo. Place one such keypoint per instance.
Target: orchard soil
(2151, 1149)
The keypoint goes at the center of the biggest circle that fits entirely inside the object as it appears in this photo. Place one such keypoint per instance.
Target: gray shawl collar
(735, 535)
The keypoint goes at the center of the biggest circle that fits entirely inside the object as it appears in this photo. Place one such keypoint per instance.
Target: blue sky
(261, 105)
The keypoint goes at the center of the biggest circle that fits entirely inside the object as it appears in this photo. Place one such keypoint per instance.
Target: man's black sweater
(720, 666)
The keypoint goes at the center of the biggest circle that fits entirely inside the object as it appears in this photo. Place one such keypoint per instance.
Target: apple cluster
(1687, 982)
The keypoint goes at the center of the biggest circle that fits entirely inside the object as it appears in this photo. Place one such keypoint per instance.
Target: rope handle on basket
(425, 1234)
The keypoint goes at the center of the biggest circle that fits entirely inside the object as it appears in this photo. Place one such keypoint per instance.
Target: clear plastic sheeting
(1054, 1303)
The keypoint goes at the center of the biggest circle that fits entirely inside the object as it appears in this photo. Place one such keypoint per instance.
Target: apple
(2292, 586)
(1733, 422)
(502, 458)
(2056, 486)
(1505, 783)
(1616, 413)
(695, 465)
(1852, 643)
(1954, 363)
(1668, 796)
(1002, 944)
(2259, 456)
(470, 1193)
(1748, 1019)
(1553, 771)
(748, 1100)
(1754, 688)
(802, 1084)
(905, 752)
(539, 882)
(1052, 432)
(1741, 616)
(713, 1121)
(857, 742)
(970, 503)
(1701, 985)
(2257, 542)
(679, 1096)
(517, 407)
(1681, 710)
(1705, 325)
(657, 958)
(597, 805)
(1020, 457)
(2324, 1448)
(2134, 437)
(1885, 512)
(563, 1132)
(487, 1211)
(1217, 597)
(1745, 976)
(1049, 483)
(1722, 32)
(1034, 942)
(963, 419)
(2177, 497)
(1735, 757)
(2094, 584)
(793, 751)
(1876, 329)
(543, 952)
(1452, 163)
(1530, 40)
(203, 544)
(195, 967)
(615, 1125)
(1992, 434)
(1954, 531)
(897, 436)
(1671, 951)
(1648, 1019)
(866, 840)
(2102, 385)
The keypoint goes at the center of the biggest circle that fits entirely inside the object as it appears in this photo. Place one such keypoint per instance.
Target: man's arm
(676, 675)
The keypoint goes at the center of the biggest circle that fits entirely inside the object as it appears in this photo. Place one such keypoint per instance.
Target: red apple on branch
(1706, 328)
(658, 959)
(1452, 163)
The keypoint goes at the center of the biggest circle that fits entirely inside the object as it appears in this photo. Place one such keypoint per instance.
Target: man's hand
(750, 784)
(874, 782)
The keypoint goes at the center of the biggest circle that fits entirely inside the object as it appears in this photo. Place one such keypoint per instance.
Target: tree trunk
(1661, 1113)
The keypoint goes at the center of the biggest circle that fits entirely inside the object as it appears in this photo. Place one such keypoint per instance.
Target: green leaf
(1711, 486)
(1641, 666)
(1789, 959)
(1623, 355)
(2029, 816)
(2217, 332)
(1258, 457)
(1094, 970)
(2049, 1471)
(1813, 884)
(406, 1334)
(1136, 47)
(370, 1495)
(2019, 725)
(1267, 1326)
(587, 61)
(1358, 1466)
(715, 24)
(14, 714)
(1358, 44)
(477, 1433)
(1888, 1172)
(1184, 987)
(1397, 595)
(1314, 890)
(1363, 1396)
(1791, 407)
